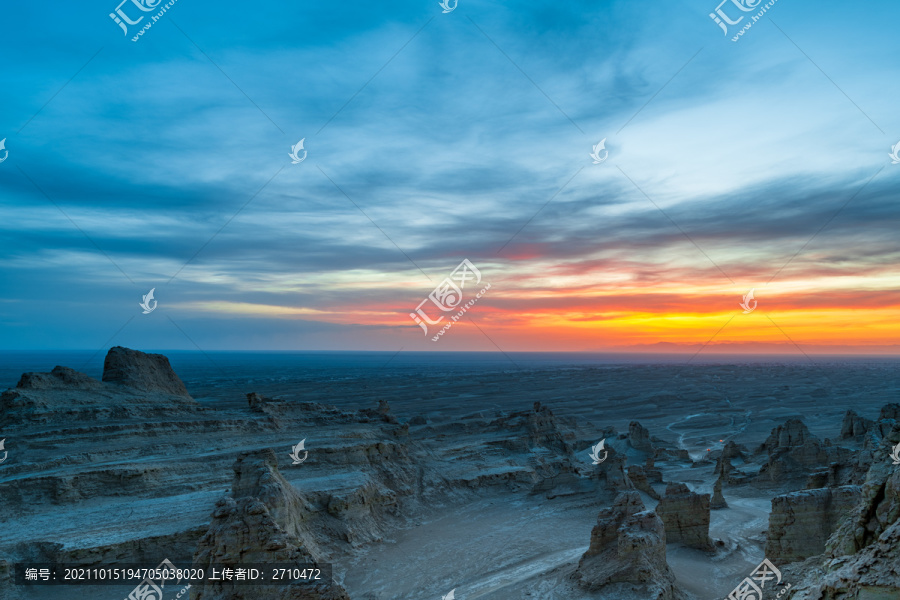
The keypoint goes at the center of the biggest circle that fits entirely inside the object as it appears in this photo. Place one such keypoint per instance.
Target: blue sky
(432, 138)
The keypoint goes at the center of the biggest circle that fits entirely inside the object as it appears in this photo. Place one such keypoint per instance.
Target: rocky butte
(686, 516)
(628, 552)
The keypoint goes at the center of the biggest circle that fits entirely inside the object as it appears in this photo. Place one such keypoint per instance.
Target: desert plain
(419, 483)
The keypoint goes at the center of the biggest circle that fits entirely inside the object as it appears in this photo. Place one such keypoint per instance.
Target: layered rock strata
(638, 476)
(117, 454)
(686, 516)
(140, 371)
(264, 521)
(862, 558)
(792, 454)
(135, 385)
(627, 552)
(801, 522)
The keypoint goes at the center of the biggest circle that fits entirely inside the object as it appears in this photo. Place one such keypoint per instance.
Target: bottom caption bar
(169, 574)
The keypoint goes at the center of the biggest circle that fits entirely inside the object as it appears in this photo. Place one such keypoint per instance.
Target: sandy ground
(495, 549)
(465, 549)
(741, 527)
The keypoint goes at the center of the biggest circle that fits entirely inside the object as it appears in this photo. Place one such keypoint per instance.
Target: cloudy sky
(435, 137)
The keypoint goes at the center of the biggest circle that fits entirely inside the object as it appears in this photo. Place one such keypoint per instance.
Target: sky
(433, 137)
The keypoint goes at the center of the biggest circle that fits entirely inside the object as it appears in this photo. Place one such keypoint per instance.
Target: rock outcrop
(135, 385)
(723, 467)
(793, 434)
(60, 378)
(686, 516)
(734, 451)
(879, 506)
(638, 476)
(263, 521)
(543, 429)
(613, 471)
(854, 426)
(257, 402)
(654, 475)
(141, 371)
(801, 522)
(793, 454)
(639, 437)
(862, 557)
(717, 501)
(890, 412)
(627, 550)
(535, 437)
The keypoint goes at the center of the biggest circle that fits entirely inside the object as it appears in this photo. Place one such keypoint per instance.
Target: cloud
(426, 148)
